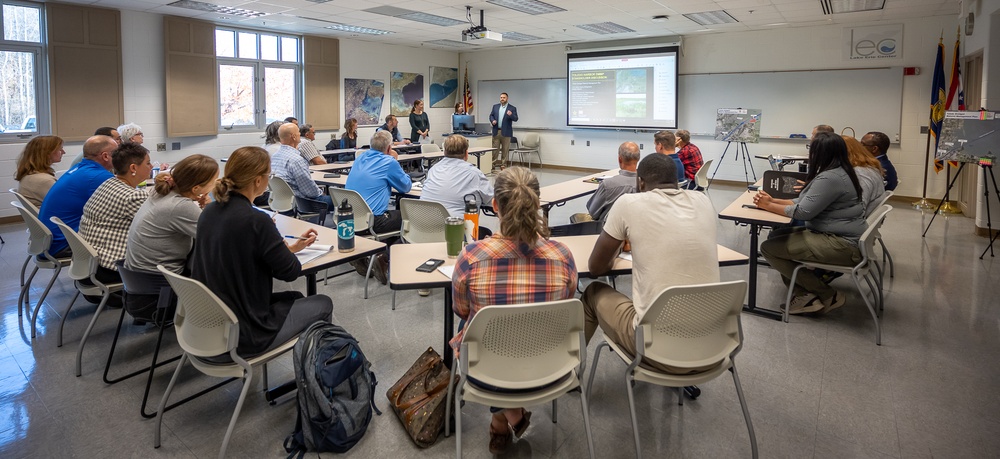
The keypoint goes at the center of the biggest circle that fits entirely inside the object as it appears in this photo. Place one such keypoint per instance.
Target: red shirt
(690, 155)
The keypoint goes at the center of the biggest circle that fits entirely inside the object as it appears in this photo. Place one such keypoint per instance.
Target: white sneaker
(806, 302)
(837, 300)
(424, 292)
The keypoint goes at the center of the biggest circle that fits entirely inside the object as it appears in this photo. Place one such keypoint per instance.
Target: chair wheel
(692, 392)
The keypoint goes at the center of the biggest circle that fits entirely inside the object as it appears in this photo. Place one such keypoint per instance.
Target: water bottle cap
(471, 206)
(345, 206)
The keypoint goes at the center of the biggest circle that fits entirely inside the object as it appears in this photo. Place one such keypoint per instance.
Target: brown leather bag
(418, 398)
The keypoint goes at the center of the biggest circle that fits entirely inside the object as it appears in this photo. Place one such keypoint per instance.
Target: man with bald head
(291, 167)
(612, 188)
(70, 193)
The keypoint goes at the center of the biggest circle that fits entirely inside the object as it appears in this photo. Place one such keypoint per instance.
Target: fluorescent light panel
(605, 28)
(416, 16)
(356, 29)
(711, 17)
(850, 6)
(452, 43)
(527, 6)
(518, 36)
(213, 8)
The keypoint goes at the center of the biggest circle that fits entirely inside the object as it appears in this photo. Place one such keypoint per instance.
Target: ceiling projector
(480, 33)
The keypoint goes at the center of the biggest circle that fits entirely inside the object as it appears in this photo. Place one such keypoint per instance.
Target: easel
(741, 150)
(986, 164)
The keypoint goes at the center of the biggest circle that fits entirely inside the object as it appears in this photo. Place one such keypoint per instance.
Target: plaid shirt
(308, 149)
(498, 270)
(690, 155)
(107, 217)
(288, 164)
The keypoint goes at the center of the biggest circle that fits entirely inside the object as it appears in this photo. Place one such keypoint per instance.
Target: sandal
(499, 442)
(522, 426)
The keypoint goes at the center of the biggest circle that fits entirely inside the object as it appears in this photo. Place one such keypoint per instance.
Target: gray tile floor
(816, 387)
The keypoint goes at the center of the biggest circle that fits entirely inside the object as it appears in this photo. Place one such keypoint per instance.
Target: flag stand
(949, 206)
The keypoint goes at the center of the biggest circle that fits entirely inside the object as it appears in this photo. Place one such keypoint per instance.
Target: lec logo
(868, 48)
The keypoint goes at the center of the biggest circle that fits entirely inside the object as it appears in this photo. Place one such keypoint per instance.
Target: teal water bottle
(345, 227)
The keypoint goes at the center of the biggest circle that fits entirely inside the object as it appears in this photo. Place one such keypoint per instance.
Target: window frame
(40, 53)
(260, 84)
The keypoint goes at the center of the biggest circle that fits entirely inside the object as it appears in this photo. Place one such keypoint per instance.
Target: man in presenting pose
(502, 117)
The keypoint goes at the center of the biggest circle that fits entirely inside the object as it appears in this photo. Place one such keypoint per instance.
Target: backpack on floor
(336, 391)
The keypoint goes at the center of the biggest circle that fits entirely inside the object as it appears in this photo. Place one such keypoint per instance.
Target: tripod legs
(953, 180)
(989, 221)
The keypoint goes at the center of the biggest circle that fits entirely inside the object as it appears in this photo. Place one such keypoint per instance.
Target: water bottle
(156, 169)
(345, 227)
(471, 219)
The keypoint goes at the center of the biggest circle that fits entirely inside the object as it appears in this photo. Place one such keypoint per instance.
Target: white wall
(778, 49)
(986, 40)
(145, 103)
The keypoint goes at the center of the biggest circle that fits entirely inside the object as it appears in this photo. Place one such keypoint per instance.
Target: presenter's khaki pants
(501, 151)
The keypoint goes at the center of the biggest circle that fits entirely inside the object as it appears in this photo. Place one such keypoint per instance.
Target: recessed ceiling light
(605, 28)
(850, 6)
(527, 6)
(356, 29)
(411, 15)
(518, 36)
(660, 18)
(213, 8)
(452, 43)
(711, 17)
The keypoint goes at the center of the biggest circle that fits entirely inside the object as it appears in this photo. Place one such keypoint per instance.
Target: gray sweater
(830, 204)
(163, 233)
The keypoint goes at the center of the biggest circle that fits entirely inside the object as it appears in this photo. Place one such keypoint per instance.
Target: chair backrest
(363, 217)
(28, 205)
(39, 235)
(693, 326)
(282, 199)
(423, 221)
(312, 207)
(85, 258)
(867, 241)
(578, 229)
(701, 177)
(532, 141)
(205, 326)
(524, 346)
(140, 282)
(882, 201)
(429, 147)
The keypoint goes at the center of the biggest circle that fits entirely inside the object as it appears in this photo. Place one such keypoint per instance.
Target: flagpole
(949, 206)
(923, 203)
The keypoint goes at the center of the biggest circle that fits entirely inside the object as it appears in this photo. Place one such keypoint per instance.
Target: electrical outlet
(588, 143)
(175, 146)
(161, 147)
(572, 142)
(923, 129)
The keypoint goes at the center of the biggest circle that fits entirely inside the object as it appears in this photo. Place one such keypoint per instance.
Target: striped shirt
(498, 270)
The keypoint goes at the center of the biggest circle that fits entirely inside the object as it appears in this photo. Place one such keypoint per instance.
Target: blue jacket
(506, 127)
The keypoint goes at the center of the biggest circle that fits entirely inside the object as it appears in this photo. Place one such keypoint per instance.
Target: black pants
(388, 222)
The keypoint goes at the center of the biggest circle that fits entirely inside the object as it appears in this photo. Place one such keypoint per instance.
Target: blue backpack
(336, 391)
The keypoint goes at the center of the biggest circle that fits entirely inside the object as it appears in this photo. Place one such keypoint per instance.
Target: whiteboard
(541, 103)
(794, 102)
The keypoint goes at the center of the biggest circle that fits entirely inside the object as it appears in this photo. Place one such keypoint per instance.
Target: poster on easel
(738, 125)
(968, 137)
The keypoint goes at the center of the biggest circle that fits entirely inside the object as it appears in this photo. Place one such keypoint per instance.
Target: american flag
(468, 94)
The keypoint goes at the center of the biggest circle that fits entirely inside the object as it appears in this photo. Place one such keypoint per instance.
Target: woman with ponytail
(238, 252)
(517, 265)
(163, 229)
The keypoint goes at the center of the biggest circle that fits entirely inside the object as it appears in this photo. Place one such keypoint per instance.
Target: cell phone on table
(430, 265)
(750, 206)
(331, 175)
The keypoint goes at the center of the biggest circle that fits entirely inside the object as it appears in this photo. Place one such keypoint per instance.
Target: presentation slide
(623, 88)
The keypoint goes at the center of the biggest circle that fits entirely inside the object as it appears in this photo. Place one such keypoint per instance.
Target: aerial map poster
(363, 100)
(969, 136)
(443, 87)
(404, 89)
(738, 125)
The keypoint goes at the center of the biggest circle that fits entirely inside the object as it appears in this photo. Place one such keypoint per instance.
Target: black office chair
(309, 209)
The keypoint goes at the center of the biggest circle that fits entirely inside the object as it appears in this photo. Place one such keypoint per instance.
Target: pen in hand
(296, 237)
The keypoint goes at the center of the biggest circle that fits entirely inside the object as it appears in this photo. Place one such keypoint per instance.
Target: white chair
(526, 346)
(364, 221)
(206, 327)
(30, 207)
(878, 237)
(701, 177)
(39, 240)
(857, 272)
(532, 144)
(423, 221)
(84, 266)
(429, 147)
(689, 326)
(281, 199)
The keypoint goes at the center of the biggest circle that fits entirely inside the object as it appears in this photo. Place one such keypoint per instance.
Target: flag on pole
(937, 101)
(956, 85)
(468, 93)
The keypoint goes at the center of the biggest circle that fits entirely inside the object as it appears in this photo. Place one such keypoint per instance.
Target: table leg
(310, 284)
(449, 328)
(751, 305)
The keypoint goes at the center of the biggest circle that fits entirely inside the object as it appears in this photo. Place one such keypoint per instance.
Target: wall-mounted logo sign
(875, 42)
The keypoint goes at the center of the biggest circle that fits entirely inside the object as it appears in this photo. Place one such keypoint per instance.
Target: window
(21, 53)
(260, 78)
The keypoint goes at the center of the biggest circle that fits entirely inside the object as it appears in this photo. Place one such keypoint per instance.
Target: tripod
(741, 150)
(986, 194)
